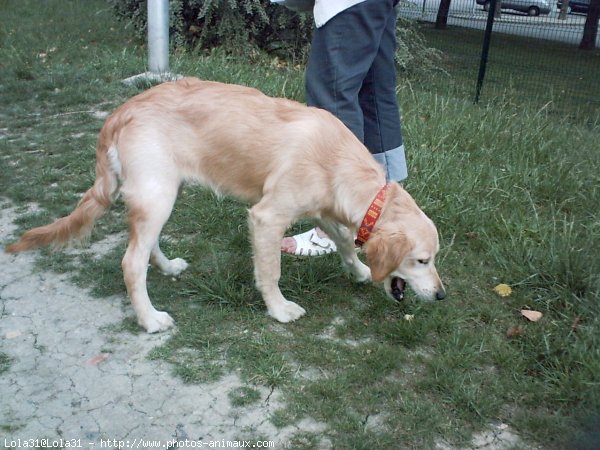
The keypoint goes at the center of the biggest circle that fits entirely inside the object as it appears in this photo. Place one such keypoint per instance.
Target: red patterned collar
(370, 219)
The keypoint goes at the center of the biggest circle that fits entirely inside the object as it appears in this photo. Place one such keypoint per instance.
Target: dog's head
(402, 250)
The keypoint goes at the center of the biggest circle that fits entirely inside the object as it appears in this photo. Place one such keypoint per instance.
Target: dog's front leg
(344, 241)
(267, 229)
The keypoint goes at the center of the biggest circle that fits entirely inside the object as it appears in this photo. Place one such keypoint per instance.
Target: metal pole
(158, 36)
(487, 37)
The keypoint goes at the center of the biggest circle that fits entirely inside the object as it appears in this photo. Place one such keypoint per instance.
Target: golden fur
(288, 160)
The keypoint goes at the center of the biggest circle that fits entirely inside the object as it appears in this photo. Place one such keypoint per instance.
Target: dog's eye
(423, 261)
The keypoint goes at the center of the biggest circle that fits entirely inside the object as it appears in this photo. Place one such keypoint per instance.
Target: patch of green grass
(244, 396)
(11, 428)
(543, 74)
(514, 204)
(5, 362)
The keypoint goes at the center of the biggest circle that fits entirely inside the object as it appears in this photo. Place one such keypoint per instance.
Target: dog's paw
(287, 311)
(356, 268)
(175, 267)
(362, 274)
(157, 321)
(360, 271)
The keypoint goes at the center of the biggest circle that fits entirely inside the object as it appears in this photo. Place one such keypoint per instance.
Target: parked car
(531, 7)
(580, 6)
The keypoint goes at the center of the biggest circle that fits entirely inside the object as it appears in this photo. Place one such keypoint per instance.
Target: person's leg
(377, 98)
(341, 57)
(342, 53)
(333, 81)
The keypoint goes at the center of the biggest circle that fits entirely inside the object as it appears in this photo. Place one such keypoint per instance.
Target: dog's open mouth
(398, 285)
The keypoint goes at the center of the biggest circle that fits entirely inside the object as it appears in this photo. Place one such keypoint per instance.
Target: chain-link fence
(533, 52)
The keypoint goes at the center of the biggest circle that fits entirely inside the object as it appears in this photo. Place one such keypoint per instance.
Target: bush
(235, 25)
(414, 58)
(239, 25)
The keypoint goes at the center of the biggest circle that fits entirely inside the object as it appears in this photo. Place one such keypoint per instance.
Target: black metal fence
(532, 53)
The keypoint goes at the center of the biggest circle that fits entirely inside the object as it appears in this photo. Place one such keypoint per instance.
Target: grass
(514, 204)
(548, 74)
(5, 362)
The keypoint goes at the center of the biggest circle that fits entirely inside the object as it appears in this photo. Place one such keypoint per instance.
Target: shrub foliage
(232, 24)
(238, 25)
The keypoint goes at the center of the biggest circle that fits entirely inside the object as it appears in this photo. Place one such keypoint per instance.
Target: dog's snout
(440, 295)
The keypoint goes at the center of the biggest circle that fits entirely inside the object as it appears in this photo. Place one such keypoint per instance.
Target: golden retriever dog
(288, 160)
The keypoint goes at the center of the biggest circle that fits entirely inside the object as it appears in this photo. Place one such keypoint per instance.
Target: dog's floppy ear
(385, 252)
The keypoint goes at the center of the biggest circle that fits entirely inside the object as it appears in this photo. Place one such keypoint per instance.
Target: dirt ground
(73, 380)
(71, 376)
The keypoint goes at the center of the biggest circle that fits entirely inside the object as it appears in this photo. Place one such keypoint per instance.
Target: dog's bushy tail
(78, 225)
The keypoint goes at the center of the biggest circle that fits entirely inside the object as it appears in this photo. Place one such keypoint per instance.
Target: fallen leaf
(503, 290)
(94, 361)
(530, 315)
(575, 323)
(11, 334)
(514, 331)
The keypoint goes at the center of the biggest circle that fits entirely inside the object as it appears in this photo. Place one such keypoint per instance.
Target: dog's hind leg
(171, 267)
(344, 241)
(146, 217)
(267, 228)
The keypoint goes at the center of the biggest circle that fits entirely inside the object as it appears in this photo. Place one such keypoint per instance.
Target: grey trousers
(351, 73)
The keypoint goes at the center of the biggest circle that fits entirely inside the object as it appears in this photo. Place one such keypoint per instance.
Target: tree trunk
(498, 12)
(442, 15)
(590, 29)
(564, 9)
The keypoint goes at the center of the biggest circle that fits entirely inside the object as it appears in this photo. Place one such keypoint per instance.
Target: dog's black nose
(440, 295)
